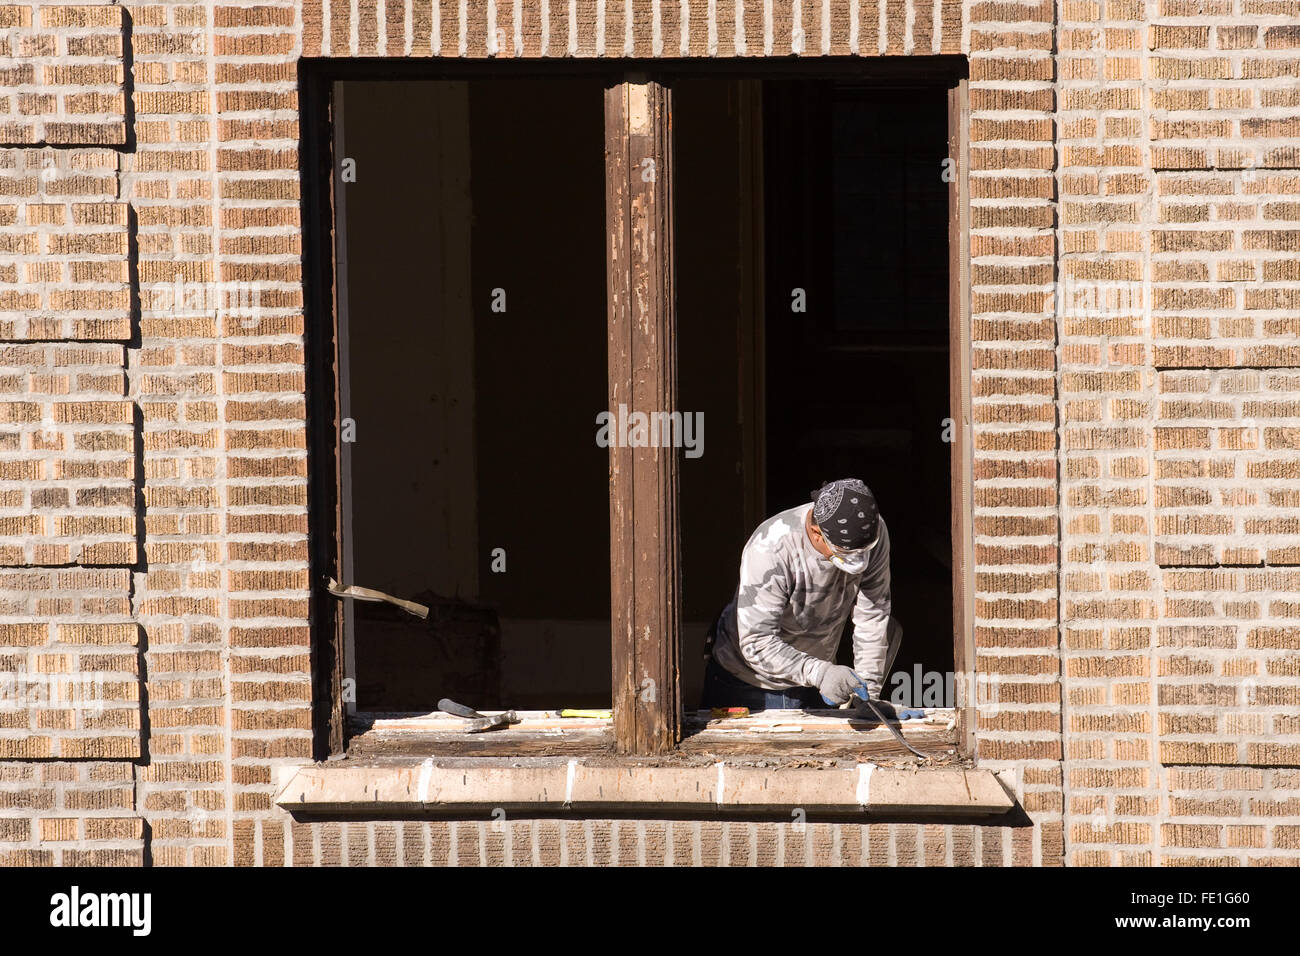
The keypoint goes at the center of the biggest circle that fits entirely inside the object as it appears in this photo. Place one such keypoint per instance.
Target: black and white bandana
(846, 512)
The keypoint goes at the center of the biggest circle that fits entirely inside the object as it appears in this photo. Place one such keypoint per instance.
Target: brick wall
(585, 28)
(549, 842)
(1134, 173)
(1177, 128)
(1012, 414)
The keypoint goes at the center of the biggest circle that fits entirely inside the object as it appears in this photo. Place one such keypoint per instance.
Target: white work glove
(839, 683)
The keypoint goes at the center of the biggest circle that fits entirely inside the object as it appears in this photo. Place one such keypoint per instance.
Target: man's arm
(761, 601)
(871, 618)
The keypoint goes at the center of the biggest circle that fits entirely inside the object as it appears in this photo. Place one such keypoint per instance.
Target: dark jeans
(723, 689)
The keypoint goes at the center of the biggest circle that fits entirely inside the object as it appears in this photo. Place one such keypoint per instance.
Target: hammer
(477, 722)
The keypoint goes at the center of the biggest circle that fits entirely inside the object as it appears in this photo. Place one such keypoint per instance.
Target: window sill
(549, 785)
(788, 733)
(759, 765)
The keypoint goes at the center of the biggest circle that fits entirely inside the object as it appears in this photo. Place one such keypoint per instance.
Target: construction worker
(803, 572)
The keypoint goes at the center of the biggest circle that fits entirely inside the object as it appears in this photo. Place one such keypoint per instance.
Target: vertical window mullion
(645, 576)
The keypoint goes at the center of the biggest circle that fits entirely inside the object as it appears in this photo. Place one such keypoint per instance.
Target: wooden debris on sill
(759, 729)
(549, 723)
(814, 721)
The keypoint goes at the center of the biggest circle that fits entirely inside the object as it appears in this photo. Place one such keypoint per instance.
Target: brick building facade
(1134, 302)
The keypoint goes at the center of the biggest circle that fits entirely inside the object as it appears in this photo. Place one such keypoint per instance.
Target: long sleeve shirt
(783, 627)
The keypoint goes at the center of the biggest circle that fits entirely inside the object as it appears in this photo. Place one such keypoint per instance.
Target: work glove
(888, 711)
(839, 683)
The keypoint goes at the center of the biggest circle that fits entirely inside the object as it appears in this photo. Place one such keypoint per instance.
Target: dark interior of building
(858, 385)
(476, 315)
(474, 364)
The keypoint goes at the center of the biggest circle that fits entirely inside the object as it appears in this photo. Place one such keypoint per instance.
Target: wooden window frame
(645, 538)
(959, 391)
(644, 519)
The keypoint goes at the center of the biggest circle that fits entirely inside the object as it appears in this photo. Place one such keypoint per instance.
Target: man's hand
(888, 711)
(839, 683)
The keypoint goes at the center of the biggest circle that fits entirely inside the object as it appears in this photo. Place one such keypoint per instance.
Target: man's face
(819, 542)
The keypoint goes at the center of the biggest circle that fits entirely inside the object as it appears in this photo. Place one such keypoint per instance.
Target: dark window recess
(473, 363)
(841, 185)
(889, 214)
(475, 426)
(859, 383)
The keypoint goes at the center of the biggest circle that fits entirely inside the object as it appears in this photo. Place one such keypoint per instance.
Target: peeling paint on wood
(644, 546)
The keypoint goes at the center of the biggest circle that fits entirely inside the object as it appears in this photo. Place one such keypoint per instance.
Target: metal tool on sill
(478, 723)
(866, 704)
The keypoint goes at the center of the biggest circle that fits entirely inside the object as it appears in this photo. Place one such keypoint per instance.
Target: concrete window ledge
(442, 788)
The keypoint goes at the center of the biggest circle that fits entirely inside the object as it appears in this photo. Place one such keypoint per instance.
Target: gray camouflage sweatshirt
(783, 626)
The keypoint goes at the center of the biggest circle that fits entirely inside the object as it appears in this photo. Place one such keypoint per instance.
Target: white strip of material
(568, 782)
(740, 27)
(656, 29)
(721, 782)
(600, 27)
(422, 788)
(686, 27)
(864, 782)
(713, 28)
(853, 26)
(370, 594)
